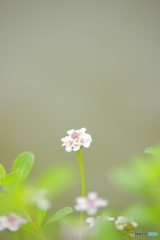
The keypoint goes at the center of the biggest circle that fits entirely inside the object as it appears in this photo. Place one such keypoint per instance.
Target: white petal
(86, 144)
(2, 223)
(70, 131)
(92, 195)
(68, 149)
(76, 148)
(91, 211)
(82, 130)
(13, 228)
(107, 218)
(91, 221)
(120, 227)
(44, 204)
(122, 219)
(79, 207)
(101, 202)
(134, 224)
(81, 199)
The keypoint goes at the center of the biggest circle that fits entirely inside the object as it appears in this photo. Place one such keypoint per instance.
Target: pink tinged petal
(14, 221)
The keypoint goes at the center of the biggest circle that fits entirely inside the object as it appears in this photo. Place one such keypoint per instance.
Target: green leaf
(23, 163)
(2, 171)
(128, 179)
(153, 151)
(58, 215)
(7, 180)
(27, 227)
(34, 223)
(40, 215)
(143, 214)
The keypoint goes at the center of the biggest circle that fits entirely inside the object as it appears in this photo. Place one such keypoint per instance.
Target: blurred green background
(72, 64)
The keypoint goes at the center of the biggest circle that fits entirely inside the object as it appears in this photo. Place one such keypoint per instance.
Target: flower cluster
(90, 204)
(12, 222)
(76, 139)
(124, 222)
(93, 221)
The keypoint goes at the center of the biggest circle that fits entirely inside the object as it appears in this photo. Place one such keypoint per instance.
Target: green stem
(38, 230)
(83, 185)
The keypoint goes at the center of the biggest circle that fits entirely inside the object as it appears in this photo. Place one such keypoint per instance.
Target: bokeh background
(72, 64)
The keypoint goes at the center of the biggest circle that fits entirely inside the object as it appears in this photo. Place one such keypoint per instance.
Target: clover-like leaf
(23, 163)
(7, 180)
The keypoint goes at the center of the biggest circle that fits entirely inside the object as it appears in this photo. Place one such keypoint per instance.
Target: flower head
(93, 221)
(12, 222)
(124, 222)
(90, 204)
(76, 139)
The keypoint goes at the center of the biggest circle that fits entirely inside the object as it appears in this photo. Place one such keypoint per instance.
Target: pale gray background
(72, 64)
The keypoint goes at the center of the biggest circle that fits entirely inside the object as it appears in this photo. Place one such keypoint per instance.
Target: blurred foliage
(141, 177)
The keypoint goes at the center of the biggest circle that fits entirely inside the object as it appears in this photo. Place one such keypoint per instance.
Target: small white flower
(123, 222)
(12, 222)
(90, 204)
(91, 221)
(76, 139)
(38, 198)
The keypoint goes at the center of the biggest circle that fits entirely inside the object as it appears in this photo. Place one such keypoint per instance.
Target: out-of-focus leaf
(7, 180)
(23, 163)
(56, 179)
(2, 171)
(40, 215)
(143, 214)
(58, 215)
(34, 223)
(129, 179)
(153, 151)
(27, 227)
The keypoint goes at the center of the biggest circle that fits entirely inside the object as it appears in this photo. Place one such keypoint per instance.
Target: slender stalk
(83, 184)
